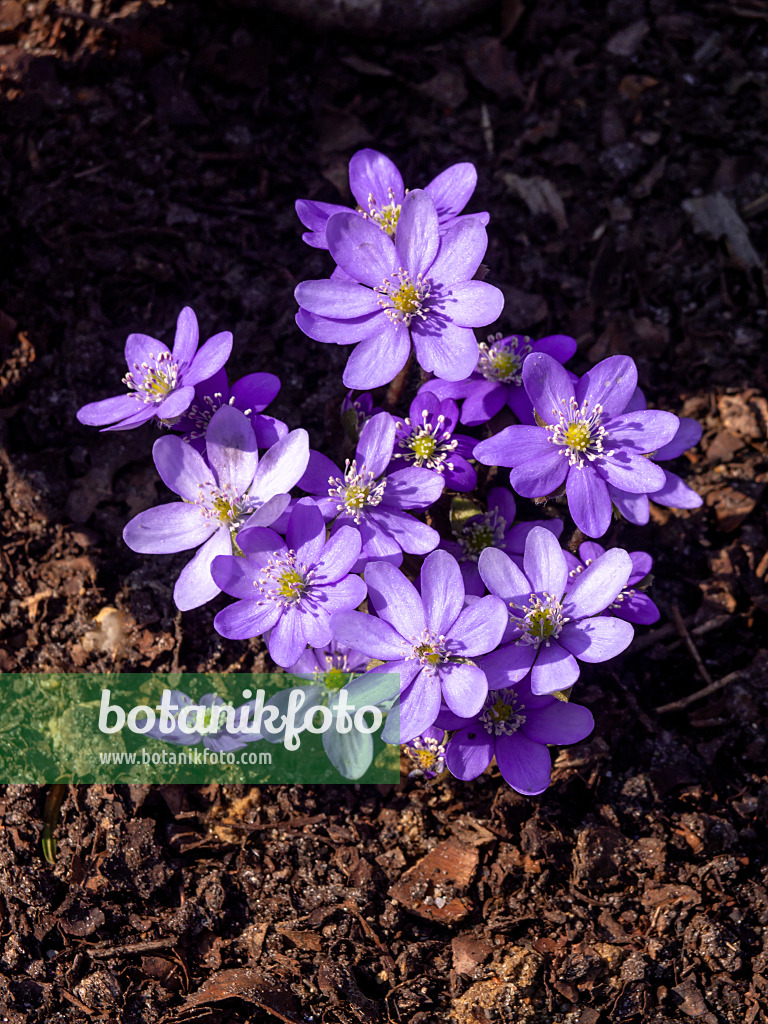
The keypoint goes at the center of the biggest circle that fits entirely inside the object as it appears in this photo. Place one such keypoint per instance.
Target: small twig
(683, 631)
(718, 684)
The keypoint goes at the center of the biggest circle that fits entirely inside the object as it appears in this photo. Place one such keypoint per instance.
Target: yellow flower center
(406, 298)
(426, 652)
(387, 217)
(423, 446)
(578, 436)
(335, 678)
(540, 624)
(291, 584)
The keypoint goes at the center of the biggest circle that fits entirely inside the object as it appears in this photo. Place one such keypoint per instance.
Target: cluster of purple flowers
(471, 656)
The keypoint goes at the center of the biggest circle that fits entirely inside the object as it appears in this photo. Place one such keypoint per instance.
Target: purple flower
(497, 380)
(675, 493)
(418, 288)
(292, 588)
(251, 395)
(427, 752)
(495, 528)
(375, 504)
(514, 726)
(587, 442)
(223, 492)
(161, 383)
(378, 188)
(199, 724)
(632, 605)
(428, 638)
(551, 624)
(355, 413)
(426, 439)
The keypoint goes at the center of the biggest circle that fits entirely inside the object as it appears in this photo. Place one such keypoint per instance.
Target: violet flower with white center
(160, 383)
(497, 380)
(495, 528)
(290, 587)
(417, 289)
(251, 395)
(631, 604)
(222, 492)
(587, 441)
(427, 638)
(375, 504)
(427, 752)
(214, 736)
(675, 493)
(378, 188)
(515, 726)
(426, 439)
(551, 625)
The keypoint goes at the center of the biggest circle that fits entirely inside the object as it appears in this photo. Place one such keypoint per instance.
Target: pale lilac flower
(251, 395)
(495, 528)
(375, 504)
(515, 726)
(217, 739)
(426, 438)
(427, 752)
(418, 288)
(497, 380)
(674, 493)
(631, 604)
(160, 383)
(427, 638)
(228, 489)
(378, 188)
(551, 625)
(289, 587)
(588, 442)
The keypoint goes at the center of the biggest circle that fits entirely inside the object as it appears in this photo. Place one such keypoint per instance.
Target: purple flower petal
(464, 688)
(419, 705)
(412, 488)
(559, 346)
(377, 439)
(676, 493)
(287, 639)
(447, 350)
(688, 434)
(514, 446)
(395, 599)
(507, 665)
(259, 544)
(175, 404)
(141, 348)
(559, 722)
(181, 468)
(407, 532)
(255, 391)
(368, 634)
(461, 252)
(320, 470)
(339, 332)
(282, 466)
(642, 564)
(209, 358)
(548, 385)
(246, 619)
(187, 337)
(452, 189)
(479, 628)
(339, 555)
(306, 532)
(231, 448)
(267, 430)
(588, 500)
(643, 432)
(599, 585)
(269, 513)
(503, 501)
(236, 576)
(343, 595)
(417, 237)
(360, 248)
(469, 753)
(598, 639)
(540, 477)
(195, 585)
(371, 176)
(525, 765)
(378, 545)
(634, 507)
(474, 304)
(544, 563)
(442, 591)
(483, 402)
(380, 358)
(109, 410)
(634, 474)
(610, 384)
(637, 608)
(502, 576)
(554, 669)
(166, 529)
(336, 299)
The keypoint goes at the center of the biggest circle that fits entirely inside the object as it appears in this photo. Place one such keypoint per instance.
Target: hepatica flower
(201, 725)
(290, 587)
(417, 289)
(497, 380)
(375, 504)
(426, 438)
(514, 726)
(631, 604)
(553, 626)
(378, 188)
(427, 753)
(221, 493)
(251, 395)
(494, 528)
(428, 638)
(587, 440)
(160, 382)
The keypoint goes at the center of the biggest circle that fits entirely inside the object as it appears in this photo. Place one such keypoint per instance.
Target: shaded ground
(150, 154)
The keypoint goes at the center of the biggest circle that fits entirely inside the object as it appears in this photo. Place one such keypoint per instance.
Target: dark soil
(150, 155)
